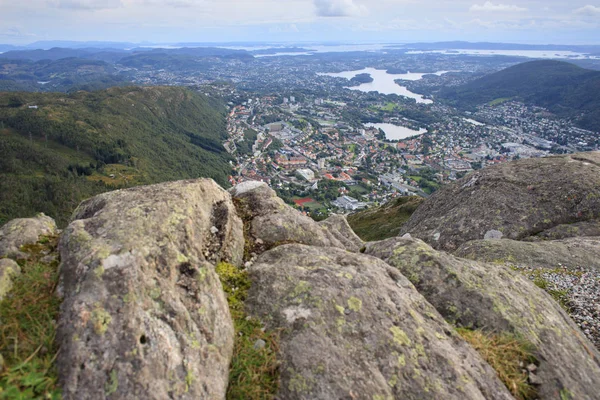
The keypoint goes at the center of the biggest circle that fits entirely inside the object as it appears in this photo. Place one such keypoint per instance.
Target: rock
(571, 252)
(273, 222)
(497, 198)
(353, 327)
(8, 270)
(563, 231)
(144, 315)
(23, 231)
(339, 227)
(493, 234)
(535, 380)
(496, 298)
(259, 344)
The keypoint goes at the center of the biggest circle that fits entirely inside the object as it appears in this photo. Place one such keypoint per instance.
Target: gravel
(581, 288)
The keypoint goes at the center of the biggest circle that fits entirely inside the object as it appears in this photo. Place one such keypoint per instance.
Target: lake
(472, 121)
(384, 82)
(395, 132)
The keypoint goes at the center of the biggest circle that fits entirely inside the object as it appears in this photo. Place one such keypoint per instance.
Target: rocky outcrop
(496, 298)
(563, 231)
(518, 199)
(24, 231)
(271, 222)
(144, 314)
(573, 252)
(341, 230)
(353, 327)
(8, 270)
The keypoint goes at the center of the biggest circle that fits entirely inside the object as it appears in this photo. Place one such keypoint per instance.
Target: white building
(349, 203)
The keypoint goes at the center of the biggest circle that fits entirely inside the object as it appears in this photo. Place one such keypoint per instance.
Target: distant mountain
(114, 55)
(499, 46)
(57, 53)
(565, 89)
(48, 44)
(63, 75)
(72, 147)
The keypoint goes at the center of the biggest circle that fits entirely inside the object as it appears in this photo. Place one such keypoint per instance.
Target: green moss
(355, 304)
(113, 384)
(189, 380)
(400, 337)
(28, 314)
(99, 271)
(254, 373)
(101, 320)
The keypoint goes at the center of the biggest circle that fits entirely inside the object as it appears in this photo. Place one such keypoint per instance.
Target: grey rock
(8, 270)
(391, 344)
(259, 344)
(274, 222)
(494, 297)
(341, 230)
(493, 234)
(23, 231)
(535, 380)
(144, 315)
(563, 231)
(572, 252)
(519, 199)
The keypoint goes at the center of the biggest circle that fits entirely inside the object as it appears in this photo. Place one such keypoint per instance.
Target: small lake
(384, 82)
(395, 132)
(472, 121)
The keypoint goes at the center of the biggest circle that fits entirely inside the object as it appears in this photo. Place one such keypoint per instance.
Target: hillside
(565, 89)
(66, 74)
(385, 221)
(74, 146)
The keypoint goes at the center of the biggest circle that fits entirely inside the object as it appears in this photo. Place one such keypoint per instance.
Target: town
(326, 145)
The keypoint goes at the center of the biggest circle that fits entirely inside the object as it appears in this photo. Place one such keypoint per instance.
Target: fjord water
(384, 82)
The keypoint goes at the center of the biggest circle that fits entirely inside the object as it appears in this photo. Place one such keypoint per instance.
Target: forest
(59, 149)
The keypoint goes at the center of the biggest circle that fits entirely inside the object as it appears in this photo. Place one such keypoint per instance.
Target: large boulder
(573, 252)
(513, 200)
(8, 270)
(271, 222)
(24, 231)
(352, 327)
(144, 315)
(495, 298)
(341, 230)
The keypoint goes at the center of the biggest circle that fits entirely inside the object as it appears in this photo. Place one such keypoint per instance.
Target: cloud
(85, 4)
(338, 8)
(588, 10)
(488, 6)
(291, 28)
(15, 33)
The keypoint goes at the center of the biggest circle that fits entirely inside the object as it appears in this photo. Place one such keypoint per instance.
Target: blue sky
(164, 21)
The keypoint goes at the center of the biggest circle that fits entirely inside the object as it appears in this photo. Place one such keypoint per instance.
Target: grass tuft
(28, 314)
(507, 354)
(254, 372)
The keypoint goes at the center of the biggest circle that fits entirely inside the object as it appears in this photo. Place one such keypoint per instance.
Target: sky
(375, 21)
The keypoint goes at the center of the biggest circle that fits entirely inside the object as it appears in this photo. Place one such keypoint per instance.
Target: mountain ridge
(564, 88)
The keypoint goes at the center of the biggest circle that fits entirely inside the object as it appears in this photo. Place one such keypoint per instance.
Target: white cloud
(488, 6)
(338, 8)
(85, 4)
(15, 33)
(588, 10)
(291, 28)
